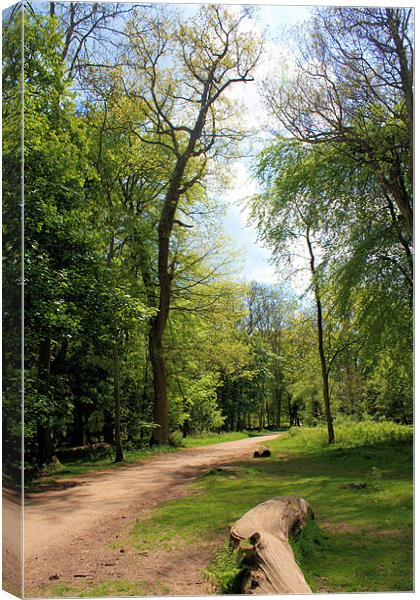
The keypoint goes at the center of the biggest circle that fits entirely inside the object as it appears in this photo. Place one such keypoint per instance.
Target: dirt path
(68, 531)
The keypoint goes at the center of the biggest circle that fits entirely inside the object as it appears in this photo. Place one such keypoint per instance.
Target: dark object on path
(353, 486)
(262, 451)
(270, 566)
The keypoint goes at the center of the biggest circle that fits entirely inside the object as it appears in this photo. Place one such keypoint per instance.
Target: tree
(77, 302)
(299, 361)
(364, 253)
(184, 104)
(268, 308)
(353, 87)
(58, 242)
(12, 187)
(92, 33)
(282, 220)
(127, 185)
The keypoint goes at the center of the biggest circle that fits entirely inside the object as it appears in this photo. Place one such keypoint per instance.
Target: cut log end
(262, 452)
(269, 561)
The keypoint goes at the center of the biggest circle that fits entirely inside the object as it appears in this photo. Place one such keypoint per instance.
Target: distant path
(66, 530)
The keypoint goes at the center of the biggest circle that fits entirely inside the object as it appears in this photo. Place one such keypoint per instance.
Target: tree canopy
(136, 324)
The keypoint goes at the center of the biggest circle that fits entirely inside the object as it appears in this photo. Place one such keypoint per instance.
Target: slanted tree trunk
(321, 351)
(271, 565)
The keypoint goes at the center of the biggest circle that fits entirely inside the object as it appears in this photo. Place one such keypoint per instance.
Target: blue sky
(255, 264)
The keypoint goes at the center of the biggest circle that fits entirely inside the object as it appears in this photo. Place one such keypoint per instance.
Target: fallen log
(270, 566)
(99, 450)
(262, 451)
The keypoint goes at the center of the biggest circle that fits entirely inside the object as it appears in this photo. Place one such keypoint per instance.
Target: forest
(138, 329)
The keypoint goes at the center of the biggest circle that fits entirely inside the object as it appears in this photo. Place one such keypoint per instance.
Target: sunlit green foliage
(98, 163)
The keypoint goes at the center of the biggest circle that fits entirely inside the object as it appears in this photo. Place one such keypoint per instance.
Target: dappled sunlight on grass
(206, 439)
(367, 531)
(111, 588)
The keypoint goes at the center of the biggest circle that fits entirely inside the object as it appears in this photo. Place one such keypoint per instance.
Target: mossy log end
(262, 451)
(270, 563)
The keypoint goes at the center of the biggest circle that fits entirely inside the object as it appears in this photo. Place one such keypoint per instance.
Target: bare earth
(68, 531)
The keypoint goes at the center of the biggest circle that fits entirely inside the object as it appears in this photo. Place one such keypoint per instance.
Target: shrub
(355, 435)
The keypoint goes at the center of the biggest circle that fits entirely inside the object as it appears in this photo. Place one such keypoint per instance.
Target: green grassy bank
(362, 540)
(365, 538)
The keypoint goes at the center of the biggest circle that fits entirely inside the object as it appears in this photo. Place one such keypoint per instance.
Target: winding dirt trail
(68, 531)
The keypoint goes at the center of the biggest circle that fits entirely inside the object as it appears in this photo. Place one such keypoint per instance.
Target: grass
(361, 539)
(363, 536)
(213, 438)
(112, 588)
(354, 435)
(224, 571)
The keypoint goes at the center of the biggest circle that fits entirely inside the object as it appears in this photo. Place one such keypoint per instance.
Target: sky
(256, 264)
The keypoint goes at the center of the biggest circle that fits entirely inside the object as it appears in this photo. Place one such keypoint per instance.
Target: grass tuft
(224, 572)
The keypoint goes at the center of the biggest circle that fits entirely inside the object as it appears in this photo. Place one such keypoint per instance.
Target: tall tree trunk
(277, 393)
(108, 428)
(289, 407)
(119, 455)
(160, 434)
(78, 434)
(320, 331)
(185, 428)
(44, 437)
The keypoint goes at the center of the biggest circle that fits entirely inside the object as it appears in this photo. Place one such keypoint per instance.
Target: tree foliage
(136, 325)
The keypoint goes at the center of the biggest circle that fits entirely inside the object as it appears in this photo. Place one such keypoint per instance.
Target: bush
(355, 435)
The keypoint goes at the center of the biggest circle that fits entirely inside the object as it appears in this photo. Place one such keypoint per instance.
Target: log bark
(272, 568)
